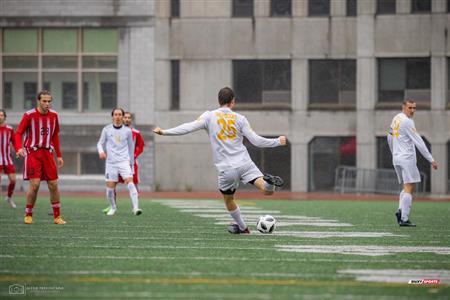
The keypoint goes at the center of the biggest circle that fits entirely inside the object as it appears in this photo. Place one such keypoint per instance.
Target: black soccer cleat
(273, 180)
(406, 224)
(234, 229)
(398, 214)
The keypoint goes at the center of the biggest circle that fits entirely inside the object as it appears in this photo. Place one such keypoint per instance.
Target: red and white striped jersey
(40, 131)
(6, 139)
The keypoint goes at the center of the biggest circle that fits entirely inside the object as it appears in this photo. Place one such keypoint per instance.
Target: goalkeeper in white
(226, 130)
(403, 140)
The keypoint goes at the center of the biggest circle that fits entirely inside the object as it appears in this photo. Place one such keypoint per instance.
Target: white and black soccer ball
(266, 224)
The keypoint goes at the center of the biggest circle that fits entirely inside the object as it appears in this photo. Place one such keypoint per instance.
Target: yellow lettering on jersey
(221, 115)
(396, 127)
(227, 130)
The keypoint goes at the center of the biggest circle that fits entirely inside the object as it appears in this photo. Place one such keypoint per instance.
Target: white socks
(400, 199)
(405, 206)
(236, 215)
(111, 196)
(133, 195)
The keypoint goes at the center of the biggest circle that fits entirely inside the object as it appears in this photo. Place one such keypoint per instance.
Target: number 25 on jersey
(228, 129)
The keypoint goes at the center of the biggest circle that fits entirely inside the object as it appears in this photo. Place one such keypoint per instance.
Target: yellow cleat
(59, 221)
(28, 220)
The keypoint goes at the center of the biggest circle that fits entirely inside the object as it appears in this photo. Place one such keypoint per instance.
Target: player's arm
(100, 143)
(130, 147)
(185, 128)
(139, 147)
(23, 126)
(260, 141)
(419, 143)
(390, 139)
(57, 144)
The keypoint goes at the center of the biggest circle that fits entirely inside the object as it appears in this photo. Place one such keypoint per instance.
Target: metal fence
(375, 181)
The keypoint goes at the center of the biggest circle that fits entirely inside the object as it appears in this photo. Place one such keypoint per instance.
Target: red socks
(29, 210)
(11, 187)
(56, 209)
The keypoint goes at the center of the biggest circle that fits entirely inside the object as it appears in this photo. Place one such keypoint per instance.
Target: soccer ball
(266, 224)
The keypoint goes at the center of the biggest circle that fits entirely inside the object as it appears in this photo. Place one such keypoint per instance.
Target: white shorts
(407, 173)
(112, 171)
(229, 179)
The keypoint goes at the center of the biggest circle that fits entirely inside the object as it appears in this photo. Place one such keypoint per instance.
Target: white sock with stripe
(236, 215)
(133, 195)
(111, 196)
(406, 206)
(400, 199)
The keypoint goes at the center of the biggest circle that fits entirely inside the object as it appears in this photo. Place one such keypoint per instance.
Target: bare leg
(33, 189)
(261, 185)
(54, 191)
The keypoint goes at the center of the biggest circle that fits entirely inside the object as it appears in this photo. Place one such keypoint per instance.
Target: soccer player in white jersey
(117, 147)
(226, 130)
(402, 140)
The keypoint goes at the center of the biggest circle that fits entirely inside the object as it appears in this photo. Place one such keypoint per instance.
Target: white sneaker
(10, 202)
(111, 211)
(137, 211)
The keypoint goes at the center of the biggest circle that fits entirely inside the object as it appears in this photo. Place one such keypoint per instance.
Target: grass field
(179, 249)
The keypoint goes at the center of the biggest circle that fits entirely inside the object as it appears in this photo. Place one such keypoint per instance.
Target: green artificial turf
(169, 254)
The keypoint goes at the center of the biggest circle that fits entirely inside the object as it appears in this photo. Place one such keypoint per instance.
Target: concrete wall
(206, 39)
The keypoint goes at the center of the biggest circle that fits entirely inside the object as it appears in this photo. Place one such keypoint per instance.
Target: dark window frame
(313, 8)
(418, 8)
(175, 8)
(351, 8)
(386, 10)
(275, 8)
(243, 10)
(174, 85)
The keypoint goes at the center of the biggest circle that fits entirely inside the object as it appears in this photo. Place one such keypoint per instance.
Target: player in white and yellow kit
(403, 140)
(226, 130)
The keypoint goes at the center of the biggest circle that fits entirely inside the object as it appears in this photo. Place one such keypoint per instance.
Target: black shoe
(273, 180)
(406, 224)
(234, 228)
(398, 214)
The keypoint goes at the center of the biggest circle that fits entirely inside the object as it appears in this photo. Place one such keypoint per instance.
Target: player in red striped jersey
(139, 145)
(40, 126)
(6, 163)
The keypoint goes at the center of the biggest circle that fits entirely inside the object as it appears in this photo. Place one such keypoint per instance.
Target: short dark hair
(117, 108)
(408, 100)
(42, 92)
(3, 111)
(130, 113)
(226, 95)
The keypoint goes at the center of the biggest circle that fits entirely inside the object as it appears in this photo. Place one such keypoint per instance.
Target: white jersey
(226, 130)
(118, 144)
(402, 138)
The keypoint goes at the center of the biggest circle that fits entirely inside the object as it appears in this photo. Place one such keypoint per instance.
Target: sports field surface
(180, 249)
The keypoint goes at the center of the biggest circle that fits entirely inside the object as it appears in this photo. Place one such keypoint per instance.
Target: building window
(400, 78)
(280, 8)
(91, 164)
(276, 161)
(384, 159)
(325, 155)
(448, 5)
(352, 8)
(332, 81)
(262, 82)
(7, 92)
(318, 8)
(242, 8)
(55, 59)
(386, 7)
(175, 85)
(420, 6)
(175, 8)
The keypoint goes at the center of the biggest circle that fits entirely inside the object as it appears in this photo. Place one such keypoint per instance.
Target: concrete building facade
(174, 56)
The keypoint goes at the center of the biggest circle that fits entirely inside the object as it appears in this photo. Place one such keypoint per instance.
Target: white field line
(243, 211)
(318, 224)
(363, 250)
(218, 258)
(397, 275)
(334, 234)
